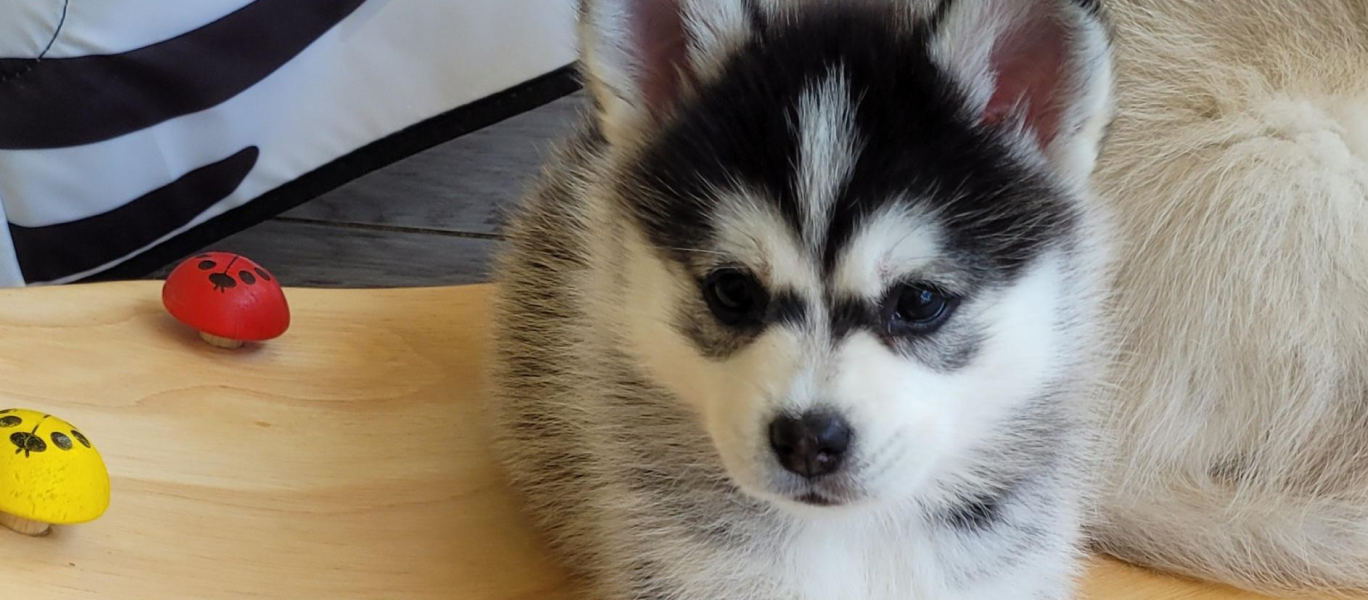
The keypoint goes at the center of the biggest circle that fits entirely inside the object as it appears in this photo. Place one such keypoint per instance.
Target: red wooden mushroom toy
(229, 299)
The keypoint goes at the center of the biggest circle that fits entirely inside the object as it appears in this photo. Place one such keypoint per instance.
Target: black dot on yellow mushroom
(61, 440)
(80, 438)
(28, 443)
(10, 421)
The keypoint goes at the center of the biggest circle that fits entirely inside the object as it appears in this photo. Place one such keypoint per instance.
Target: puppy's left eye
(734, 296)
(916, 308)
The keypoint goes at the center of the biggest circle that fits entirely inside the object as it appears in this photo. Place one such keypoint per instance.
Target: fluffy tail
(1244, 538)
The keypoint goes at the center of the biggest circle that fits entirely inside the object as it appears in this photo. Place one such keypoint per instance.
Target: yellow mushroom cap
(49, 470)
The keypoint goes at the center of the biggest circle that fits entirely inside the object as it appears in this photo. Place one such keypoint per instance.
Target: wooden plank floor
(344, 461)
(430, 219)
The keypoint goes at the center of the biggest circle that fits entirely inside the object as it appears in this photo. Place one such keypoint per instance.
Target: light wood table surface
(342, 461)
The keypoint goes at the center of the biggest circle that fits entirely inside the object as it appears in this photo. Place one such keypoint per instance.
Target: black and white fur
(838, 156)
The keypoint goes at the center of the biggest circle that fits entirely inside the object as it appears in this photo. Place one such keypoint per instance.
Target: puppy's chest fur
(887, 559)
(862, 563)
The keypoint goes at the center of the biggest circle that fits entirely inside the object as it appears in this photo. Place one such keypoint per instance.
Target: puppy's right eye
(733, 296)
(916, 308)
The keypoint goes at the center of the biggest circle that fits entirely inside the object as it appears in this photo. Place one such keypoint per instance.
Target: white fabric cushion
(384, 67)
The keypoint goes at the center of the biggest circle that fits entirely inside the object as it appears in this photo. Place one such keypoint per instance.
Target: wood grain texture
(319, 255)
(342, 461)
(464, 185)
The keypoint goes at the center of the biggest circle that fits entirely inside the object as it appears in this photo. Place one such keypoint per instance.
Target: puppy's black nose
(811, 445)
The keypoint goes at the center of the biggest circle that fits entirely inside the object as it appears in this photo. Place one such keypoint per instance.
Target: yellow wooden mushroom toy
(50, 474)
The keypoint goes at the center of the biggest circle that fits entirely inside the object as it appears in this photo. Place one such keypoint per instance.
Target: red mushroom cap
(228, 296)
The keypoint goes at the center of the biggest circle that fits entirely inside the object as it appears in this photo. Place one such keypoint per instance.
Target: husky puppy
(811, 308)
(1238, 168)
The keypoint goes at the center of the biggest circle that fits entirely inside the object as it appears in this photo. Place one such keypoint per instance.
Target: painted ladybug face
(226, 271)
(33, 433)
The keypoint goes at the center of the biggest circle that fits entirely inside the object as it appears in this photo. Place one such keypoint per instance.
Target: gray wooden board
(430, 219)
(464, 185)
(312, 255)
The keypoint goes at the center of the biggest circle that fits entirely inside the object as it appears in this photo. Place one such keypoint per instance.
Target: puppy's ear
(642, 57)
(1037, 70)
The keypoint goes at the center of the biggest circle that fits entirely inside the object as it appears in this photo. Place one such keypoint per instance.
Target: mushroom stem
(220, 342)
(24, 526)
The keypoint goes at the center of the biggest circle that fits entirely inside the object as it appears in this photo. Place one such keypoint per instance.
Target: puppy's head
(854, 227)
